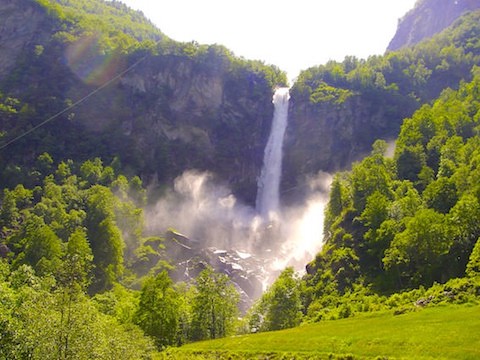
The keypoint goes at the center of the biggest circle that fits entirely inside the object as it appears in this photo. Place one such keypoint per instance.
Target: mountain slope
(176, 106)
(339, 109)
(411, 221)
(428, 18)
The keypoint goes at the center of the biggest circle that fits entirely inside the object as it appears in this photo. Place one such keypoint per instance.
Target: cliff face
(338, 110)
(21, 26)
(185, 106)
(328, 136)
(176, 110)
(428, 18)
(187, 115)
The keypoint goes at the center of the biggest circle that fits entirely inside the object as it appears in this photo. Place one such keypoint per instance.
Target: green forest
(409, 221)
(81, 276)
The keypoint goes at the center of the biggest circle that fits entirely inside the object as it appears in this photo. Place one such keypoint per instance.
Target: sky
(293, 35)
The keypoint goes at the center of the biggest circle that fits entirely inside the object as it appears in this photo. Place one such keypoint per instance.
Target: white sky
(293, 35)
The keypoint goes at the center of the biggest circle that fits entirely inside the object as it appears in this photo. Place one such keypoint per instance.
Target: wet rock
(246, 271)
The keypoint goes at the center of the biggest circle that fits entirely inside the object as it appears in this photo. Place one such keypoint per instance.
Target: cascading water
(268, 193)
(250, 245)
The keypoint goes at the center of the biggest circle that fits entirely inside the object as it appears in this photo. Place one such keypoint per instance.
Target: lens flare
(86, 58)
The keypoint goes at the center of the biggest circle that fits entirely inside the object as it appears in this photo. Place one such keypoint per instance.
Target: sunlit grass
(447, 332)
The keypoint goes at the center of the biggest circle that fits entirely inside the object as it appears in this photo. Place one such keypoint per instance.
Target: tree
(73, 278)
(463, 220)
(281, 304)
(416, 251)
(39, 322)
(158, 311)
(13, 201)
(473, 266)
(407, 201)
(338, 200)
(376, 210)
(369, 176)
(78, 261)
(186, 294)
(441, 195)
(410, 162)
(374, 215)
(214, 308)
(105, 238)
(43, 248)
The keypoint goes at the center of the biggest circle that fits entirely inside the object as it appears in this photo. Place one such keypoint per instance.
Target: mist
(206, 213)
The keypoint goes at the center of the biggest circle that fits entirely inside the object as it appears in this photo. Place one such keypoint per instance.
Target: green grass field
(445, 332)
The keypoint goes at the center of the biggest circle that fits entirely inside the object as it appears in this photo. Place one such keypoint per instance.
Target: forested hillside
(397, 224)
(94, 98)
(339, 109)
(97, 104)
(401, 231)
(80, 278)
(163, 106)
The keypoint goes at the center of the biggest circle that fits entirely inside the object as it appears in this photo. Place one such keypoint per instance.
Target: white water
(261, 240)
(268, 194)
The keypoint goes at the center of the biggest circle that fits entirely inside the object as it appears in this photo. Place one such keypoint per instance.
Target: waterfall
(268, 193)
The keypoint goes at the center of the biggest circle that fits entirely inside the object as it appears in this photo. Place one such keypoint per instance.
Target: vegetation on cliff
(157, 118)
(339, 109)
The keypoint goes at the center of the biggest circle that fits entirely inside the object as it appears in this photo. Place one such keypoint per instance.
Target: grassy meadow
(444, 332)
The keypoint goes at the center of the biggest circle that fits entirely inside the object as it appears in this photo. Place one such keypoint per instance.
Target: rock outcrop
(196, 116)
(248, 272)
(337, 111)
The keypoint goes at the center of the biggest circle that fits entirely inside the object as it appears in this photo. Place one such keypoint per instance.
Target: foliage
(473, 266)
(71, 227)
(357, 101)
(422, 70)
(326, 93)
(214, 306)
(41, 321)
(412, 221)
(158, 310)
(65, 262)
(119, 25)
(280, 306)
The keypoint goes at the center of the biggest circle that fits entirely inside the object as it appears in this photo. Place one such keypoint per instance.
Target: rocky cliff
(339, 109)
(428, 18)
(189, 106)
(191, 114)
(329, 136)
(176, 106)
